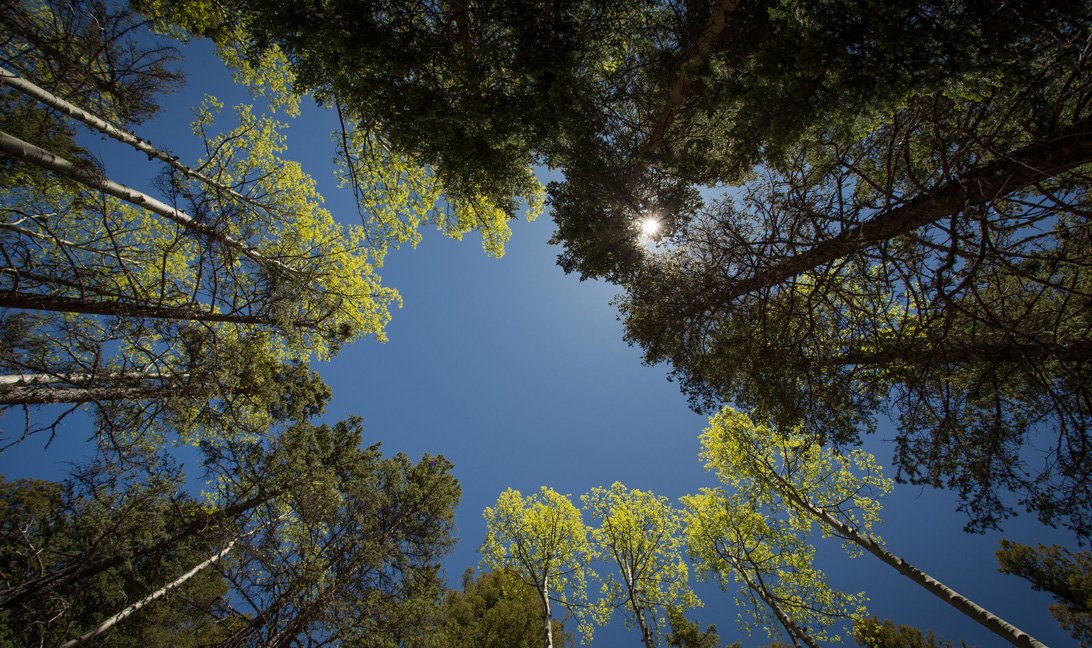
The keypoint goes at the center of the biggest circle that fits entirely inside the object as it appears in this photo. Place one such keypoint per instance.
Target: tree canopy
(904, 235)
(494, 609)
(542, 539)
(1064, 574)
(823, 214)
(641, 534)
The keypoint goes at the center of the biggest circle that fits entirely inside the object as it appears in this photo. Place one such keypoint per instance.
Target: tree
(1065, 574)
(542, 538)
(306, 531)
(88, 53)
(170, 295)
(874, 633)
(929, 264)
(350, 552)
(688, 634)
(131, 293)
(732, 540)
(787, 471)
(642, 534)
(966, 331)
(494, 610)
(47, 524)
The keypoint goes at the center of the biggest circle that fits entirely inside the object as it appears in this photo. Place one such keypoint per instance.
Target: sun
(650, 226)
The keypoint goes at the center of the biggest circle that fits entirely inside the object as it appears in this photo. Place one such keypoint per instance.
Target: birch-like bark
(129, 611)
(1069, 148)
(14, 596)
(49, 395)
(19, 380)
(548, 632)
(18, 148)
(795, 632)
(994, 623)
(44, 96)
(11, 227)
(638, 610)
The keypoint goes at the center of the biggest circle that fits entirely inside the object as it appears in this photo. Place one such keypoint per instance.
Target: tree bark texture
(18, 148)
(1067, 149)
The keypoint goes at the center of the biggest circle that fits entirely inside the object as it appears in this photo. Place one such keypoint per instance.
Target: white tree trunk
(548, 633)
(112, 621)
(796, 633)
(51, 378)
(638, 610)
(18, 148)
(44, 96)
(994, 623)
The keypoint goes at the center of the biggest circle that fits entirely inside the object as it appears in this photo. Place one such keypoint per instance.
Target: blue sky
(519, 375)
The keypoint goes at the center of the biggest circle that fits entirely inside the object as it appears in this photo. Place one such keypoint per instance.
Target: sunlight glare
(649, 226)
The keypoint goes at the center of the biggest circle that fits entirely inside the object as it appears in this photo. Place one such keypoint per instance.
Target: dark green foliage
(46, 526)
(877, 633)
(356, 555)
(493, 610)
(1064, 574)
(481, 90)
(688, 634)
(933, 269)
(327, 539)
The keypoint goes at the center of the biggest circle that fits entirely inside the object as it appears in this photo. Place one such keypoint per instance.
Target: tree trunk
(44, 96)
(18, 148)
(994, 623)
(548, 633)
(1069, 148)
(796, 633)
(14, 596)
(39, 395)
(54, 378)
(118, 308)
(714, 27)
(982, 350)
(112, 621)
(638, 610)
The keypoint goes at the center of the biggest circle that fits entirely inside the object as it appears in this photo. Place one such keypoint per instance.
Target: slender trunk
(119, 308)
(18, 148)
(1069, 148)
(14, 596)
(20, 380)
(112, 621)
(45, 395)
(795, 632)
(548, 632)
(638, 610)
(44, 96)
(994, 623)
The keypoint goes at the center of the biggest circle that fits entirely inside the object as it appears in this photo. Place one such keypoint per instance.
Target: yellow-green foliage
(267, 72)
(732, 540)
(787, 469)
(397, 197)
(543, 538)
(643, 534)
(334, 283)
